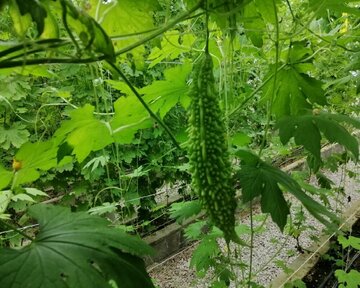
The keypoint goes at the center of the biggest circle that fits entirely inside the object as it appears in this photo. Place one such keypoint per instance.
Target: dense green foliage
(93, 105)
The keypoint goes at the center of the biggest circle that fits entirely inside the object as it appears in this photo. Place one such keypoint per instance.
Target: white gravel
(270, 246)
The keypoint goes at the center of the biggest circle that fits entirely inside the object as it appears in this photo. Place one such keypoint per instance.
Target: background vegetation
(93, 104)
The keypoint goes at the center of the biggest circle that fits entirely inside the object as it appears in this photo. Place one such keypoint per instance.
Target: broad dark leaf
(293, 92)
(306, 130)
(256, 181)
(84, 132)
(260, 179)
(74, 250)
(321, 7)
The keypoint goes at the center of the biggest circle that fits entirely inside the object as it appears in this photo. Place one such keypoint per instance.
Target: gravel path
(271, 246)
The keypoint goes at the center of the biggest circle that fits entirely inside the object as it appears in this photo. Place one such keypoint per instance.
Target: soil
(322, 275)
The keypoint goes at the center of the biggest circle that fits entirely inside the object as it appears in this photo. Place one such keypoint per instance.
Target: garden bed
(323, 273)
(316, 267)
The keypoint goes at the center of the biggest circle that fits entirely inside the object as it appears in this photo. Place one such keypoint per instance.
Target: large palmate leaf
(24, 12)
(124, 17)
(84, 132)
(254, 24)
(16, 135)
(33, 158)
(130, 116)
(257, 181)
(293, 92)
(5, 177)
(258, 178)
(307, 129)
(266, 9)
(165, 94)
(170, 47)
(74, 250)
(203, 256)
(321, 7)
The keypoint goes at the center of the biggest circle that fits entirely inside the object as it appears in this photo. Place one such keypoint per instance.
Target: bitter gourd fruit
(208, 150)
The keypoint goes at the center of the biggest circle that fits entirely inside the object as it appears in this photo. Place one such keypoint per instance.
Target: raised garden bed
(322, 275)
(316, 267)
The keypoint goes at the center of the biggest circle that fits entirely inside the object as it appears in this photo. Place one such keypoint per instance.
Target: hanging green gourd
(208, 150)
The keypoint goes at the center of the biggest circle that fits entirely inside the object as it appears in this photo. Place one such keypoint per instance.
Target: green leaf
(5, 197)
(350, 241)
(89, 31)
(298, 51)
(84, 132)
(34, 157)
(16, 135)
(13, 88)
(324, 181)
(41, 71)
(323, 193)
(195, 230)
(341, 118)
(20, 18)
(96, 162)
(306, 131)
(171, 47)
(165, 94)
(130, 116)
(202, 257)
(257, 181)
(242, 229)
(125, 17)
(22, 197)
(74, 250)
(258, 178)
(293, 92)
(273, 202)
(5, 216)
(336, 133)
(120, 85)
(266, 9)
(184, 210)
(254, 24)
(25, 12)
(36, 11)
(5, 177)
(219, 284)
(240, 139)
(321, 7)
(35, 192)
(351, 279)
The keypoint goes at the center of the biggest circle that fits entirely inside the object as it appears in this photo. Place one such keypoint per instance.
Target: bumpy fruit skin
(208, 151)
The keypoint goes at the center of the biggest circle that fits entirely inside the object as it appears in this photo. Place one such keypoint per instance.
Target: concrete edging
(305, 262)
